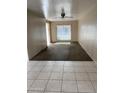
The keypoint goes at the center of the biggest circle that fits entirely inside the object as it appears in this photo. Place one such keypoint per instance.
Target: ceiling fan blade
(68, 17)
(57, 17)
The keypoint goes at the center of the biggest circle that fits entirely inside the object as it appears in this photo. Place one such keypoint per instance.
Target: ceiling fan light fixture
(63, 15)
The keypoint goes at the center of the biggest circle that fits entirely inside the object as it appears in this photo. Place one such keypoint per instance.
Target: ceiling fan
(63, 15)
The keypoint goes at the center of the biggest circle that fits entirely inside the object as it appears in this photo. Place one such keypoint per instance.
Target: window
(63, 32)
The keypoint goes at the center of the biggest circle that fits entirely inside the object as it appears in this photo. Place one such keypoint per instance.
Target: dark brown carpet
(63, 52)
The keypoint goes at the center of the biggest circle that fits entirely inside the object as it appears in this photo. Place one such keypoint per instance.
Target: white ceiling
(52, 8)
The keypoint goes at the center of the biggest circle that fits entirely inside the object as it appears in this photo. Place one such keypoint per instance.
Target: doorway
(63, 32)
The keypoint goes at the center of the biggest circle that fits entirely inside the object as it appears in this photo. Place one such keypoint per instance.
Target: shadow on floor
(63, 52)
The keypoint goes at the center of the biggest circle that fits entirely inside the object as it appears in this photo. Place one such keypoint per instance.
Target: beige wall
(88, 34)
(36, 34)
(74, 29)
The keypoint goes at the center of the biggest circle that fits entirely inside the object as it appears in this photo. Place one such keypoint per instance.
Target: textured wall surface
(36, 34)
(87, 35)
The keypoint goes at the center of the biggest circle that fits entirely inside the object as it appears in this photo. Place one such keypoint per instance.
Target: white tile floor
(62, 77)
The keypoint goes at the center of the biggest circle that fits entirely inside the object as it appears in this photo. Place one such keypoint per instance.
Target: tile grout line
(48, 80)
(32, 67)
(62, 77)
(35, 78)
(76, 80)
(90, 80)
(52, 79)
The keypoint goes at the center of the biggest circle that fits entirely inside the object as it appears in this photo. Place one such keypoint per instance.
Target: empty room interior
(62, 46)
